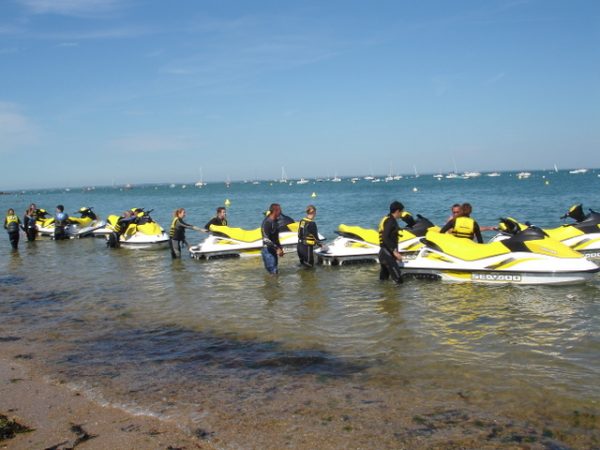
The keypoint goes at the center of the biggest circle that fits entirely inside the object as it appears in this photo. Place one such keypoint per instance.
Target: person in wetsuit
(11, 225)
(29, 222)
(220, 219)
(308, 237)
(463, 225)
(177, 232)
(272, 249)
(389, 256)
(61, 220)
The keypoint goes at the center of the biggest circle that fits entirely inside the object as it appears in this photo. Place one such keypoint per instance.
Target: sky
(101, 92)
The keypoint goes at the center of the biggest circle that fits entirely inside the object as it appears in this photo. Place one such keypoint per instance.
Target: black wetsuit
(61, 220)
(177, 235)
(388, 243)
(29, 226)
(11, 224)
(215, 221)
(270, 236)
(308, 237)
(474, 230)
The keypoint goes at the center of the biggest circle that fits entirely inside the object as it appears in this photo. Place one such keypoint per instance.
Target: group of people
(13, 225)
(460, 223)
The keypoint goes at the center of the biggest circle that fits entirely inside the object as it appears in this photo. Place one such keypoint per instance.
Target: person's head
(221, 212)
(396, 208)
(466, 209)
(32, 208)
(179, 212)
(456, 210)
(311, 211)
(275, 210)
(10, 212)
(60, 208)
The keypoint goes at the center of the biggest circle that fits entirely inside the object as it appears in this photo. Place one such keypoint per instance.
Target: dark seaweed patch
(9, 428)
(9, 338)
(193, 353)
(11, 280)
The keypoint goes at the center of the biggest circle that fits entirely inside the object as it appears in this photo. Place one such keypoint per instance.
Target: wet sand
(61, 418)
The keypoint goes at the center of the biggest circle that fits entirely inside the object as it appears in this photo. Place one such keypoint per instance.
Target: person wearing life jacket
(389, 256)
(220, 219)
(463, 225)
(29, 219)
(308, 237)
(272, 249)
(177, 232)
(61, 220)
(11, 225)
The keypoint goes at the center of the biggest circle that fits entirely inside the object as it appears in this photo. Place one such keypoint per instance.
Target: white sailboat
(200, 183)
(284, 178)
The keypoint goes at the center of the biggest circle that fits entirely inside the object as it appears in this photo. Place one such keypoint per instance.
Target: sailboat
(283, 178)
(200, 183)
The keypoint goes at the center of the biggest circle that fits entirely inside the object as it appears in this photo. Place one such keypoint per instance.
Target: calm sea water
(215, 345)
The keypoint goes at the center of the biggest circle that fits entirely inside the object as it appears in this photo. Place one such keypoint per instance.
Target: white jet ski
(77, 227)
(356, 244)
(527, 257)
(583, 235)
(138, 232)
(224, 241)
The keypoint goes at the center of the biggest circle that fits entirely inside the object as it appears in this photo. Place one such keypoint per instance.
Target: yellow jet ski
(357, 244)
(77, 227)
(224, 241)
(527, 257)
(583, 235)
(139, 231)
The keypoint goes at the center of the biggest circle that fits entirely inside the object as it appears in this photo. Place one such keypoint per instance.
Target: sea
(323, 358)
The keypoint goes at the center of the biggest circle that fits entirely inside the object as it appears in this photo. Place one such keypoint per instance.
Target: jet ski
(357, 244)
(77, 227)
(583, 235)
(138, 231)
(527, 257)
(224, 241)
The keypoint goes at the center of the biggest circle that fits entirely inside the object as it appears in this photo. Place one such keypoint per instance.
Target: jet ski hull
(73, 231)
(225, 247)
(515, 267)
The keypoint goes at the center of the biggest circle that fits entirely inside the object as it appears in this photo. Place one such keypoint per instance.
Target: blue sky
(129, 91)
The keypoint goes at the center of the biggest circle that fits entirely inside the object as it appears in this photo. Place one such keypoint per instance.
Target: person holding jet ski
(463, 225)
(389, 256)
(177, 232)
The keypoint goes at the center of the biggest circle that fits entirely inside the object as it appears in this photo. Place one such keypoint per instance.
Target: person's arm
(389, 229)
(478, 233)
(449, 225)
(209, 223)
(5, 224)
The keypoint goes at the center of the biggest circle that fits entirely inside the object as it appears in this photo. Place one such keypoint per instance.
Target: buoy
(227, 202)
(415, 189)
(547, 182)
(313, 195)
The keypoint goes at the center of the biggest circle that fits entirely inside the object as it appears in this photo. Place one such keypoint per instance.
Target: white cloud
(81, 8)
(16, 129)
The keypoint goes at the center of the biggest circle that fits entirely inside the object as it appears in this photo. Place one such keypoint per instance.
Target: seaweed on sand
(9, 428)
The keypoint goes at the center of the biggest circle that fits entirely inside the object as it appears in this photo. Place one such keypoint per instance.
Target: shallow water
(331, 353)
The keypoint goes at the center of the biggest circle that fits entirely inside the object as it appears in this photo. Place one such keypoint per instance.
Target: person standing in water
(29, 222)
(308, 237)
(389, 256)
(11, 225)
(220, 219)
(463, 225)
(177, 232)
(61, 220)
(272, 249)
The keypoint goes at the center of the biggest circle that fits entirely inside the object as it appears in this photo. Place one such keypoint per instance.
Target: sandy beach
(61, 418)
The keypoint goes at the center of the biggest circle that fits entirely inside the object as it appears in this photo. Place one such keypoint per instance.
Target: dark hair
(396, 206)
(311, 209)
(220, 208)
(273, 207)
(61, 208)
(466, 209)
